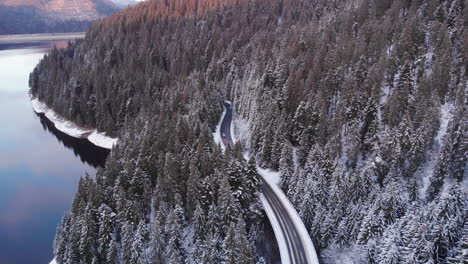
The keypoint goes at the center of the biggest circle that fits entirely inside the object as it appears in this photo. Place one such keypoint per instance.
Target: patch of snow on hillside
(427, 169)
(271, 176)
(240, 130)
(344, 255)
(53, 262)
(383, 100)
(445, 117)
(188, 234)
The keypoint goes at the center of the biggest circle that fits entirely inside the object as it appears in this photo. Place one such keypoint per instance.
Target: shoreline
(72, 129)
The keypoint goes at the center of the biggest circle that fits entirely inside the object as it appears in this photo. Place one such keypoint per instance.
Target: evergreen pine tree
(157, 241)
(230, 246)
(199, 221)
(139, 244)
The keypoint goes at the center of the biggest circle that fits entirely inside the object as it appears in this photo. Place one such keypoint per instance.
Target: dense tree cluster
(196, 206)
(362, 106)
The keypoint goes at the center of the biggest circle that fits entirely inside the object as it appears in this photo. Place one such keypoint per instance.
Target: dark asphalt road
(292, 237)
(294, 243)
(226, 125)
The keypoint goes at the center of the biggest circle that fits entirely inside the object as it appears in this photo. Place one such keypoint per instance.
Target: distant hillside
(125, 3)
(41, 16)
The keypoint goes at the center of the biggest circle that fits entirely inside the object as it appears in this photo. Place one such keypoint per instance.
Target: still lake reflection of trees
(82, 148)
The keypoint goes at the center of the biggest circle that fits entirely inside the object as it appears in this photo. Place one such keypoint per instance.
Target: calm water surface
(39, 166)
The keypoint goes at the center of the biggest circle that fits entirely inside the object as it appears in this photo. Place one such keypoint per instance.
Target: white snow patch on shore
(72, 129)
(66, 126)
(53, 262)
(39, 107)
(100, 139)
(60, 123)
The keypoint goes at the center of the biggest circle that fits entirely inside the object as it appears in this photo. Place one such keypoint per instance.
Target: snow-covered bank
(101, 140)
(272, 178)
(72, 129)
(60, 123)
(53, 262)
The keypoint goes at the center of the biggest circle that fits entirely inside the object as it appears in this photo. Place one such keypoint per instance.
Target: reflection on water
(43, 45)
(82, 148)
(39, 166)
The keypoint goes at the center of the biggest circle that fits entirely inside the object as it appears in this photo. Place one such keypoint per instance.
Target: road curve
(291, 242)
(225, 129)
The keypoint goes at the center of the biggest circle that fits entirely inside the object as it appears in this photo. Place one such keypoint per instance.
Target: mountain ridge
(44, 16)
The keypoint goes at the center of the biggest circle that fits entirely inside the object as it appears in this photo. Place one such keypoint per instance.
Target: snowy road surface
(293, 239)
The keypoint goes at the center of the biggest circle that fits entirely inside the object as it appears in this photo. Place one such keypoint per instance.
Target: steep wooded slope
(360, 104)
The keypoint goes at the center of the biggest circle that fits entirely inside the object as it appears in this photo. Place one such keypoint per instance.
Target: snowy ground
(101, 140)
(53, 262)
(271, 176)
(427, 169)
(240, 131)
(72, 129)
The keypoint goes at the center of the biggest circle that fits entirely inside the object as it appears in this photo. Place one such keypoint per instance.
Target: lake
(39, 166)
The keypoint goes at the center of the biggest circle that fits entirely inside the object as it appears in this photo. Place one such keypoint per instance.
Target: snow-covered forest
(360, 104)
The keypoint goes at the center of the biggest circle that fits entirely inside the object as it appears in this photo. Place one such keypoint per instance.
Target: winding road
(226, 124)
(294, 246)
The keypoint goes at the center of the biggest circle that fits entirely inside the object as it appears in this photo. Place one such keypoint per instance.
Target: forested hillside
(362, 106)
